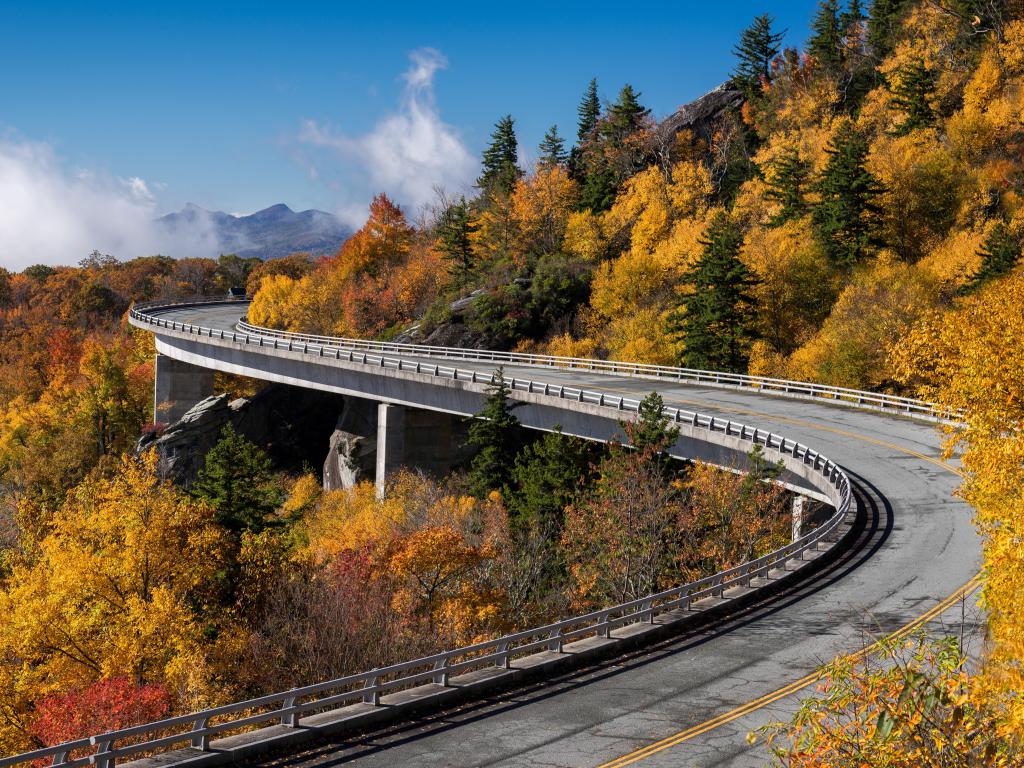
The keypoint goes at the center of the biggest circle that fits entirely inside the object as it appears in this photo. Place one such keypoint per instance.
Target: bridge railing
(762, 384)
(289, 707)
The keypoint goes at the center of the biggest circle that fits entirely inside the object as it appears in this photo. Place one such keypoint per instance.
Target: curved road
(918, 547)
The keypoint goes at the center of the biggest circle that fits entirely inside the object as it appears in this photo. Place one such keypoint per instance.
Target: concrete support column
(177, 386)
(798, 516)
(390, 443)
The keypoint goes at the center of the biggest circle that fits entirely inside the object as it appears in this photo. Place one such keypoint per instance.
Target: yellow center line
(809, 679)
(787, 690)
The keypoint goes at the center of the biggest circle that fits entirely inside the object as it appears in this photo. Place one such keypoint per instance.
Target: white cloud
(55, 215)
(409, 153)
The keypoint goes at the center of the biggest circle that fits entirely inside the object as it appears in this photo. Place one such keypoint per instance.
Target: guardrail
(287, 708)
(762, 384)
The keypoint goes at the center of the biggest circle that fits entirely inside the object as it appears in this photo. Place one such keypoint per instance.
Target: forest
(854, 217)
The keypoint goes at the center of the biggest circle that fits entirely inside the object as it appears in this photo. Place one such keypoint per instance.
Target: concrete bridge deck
(919, 546)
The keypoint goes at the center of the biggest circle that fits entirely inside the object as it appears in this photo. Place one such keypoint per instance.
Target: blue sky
(238, 106)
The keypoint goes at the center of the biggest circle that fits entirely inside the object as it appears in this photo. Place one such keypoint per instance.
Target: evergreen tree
(758, 45)
(786, 186)
(545, 478)
(589, 112)
(625, 116)
(826, 44)
(598, 188)
(999, 254)
(237, 480)
(552, 149)
(716, 320)
(912, 94)
(846, 216)
(495, 433)
(500, 169)
(651, 428)
(854, 14)
(453, 240)
(883, 24)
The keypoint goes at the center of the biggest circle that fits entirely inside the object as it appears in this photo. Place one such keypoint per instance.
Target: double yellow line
(797, 685)
(786, 690)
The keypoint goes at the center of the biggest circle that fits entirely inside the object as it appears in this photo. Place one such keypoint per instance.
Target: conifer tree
(545, 478)
(786, 186)
(589, 112)
(237, 480)
(825, 43)
(999, 254)
(552, 149)
(854, 14)
(715, 323)
(912, 94)
(625, 116)
(883, 23)
(651, 428)
(598, 189)
(846, 216)
(500, 168)
(495, 433)
(758, 45)
(454, 230)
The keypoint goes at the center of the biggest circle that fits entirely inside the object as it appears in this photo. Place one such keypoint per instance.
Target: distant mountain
(269, 234)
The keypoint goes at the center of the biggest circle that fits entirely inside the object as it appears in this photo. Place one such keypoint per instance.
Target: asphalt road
(918, 547)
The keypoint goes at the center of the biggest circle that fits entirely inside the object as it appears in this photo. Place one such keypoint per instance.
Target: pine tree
(552, 149)
(625, 116)
(495, 433)
(912, 94)
(758, 45)
(999, 254)
(598, 190)
(883, 24)
(237, 480)
(846, 216)
(786, 186)
(454, 230)
(715, 323)
(651, 428)
(589, 112)
(500, 168)
(826, 44)
(545, 478)
(854, 14)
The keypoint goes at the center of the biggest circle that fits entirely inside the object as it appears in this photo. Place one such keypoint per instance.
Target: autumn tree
(715, 322)
(757, 48)
(846, 215)
(494, 433)
(500, 165)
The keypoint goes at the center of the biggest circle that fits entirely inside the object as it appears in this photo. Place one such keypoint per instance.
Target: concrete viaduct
(901, 551)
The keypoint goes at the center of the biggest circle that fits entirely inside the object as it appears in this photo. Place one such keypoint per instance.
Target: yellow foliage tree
(110, 592)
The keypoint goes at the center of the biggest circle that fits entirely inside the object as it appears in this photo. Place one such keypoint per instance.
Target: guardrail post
(290, 719)
(200, 740)
(371, 694)
(602, 624)
(441, 666)
(503, 661)
(556, 641)
(102, 757)
(59, 758)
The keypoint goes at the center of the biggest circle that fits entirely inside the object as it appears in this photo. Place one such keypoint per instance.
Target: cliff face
(702, 115)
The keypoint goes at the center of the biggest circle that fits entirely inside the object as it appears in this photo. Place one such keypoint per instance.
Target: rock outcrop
(702, 116)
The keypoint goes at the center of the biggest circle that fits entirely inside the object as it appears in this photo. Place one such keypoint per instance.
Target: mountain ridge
(269, 233)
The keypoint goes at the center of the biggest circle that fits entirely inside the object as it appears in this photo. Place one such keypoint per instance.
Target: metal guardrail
(288, 707)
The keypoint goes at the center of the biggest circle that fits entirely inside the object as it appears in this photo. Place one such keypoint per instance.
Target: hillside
(267, 234)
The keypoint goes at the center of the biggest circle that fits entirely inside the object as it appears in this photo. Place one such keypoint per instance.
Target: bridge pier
(177, 386)
(428, 441)
(798, 516)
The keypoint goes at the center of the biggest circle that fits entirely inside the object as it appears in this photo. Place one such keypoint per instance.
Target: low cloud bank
(52, 214)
